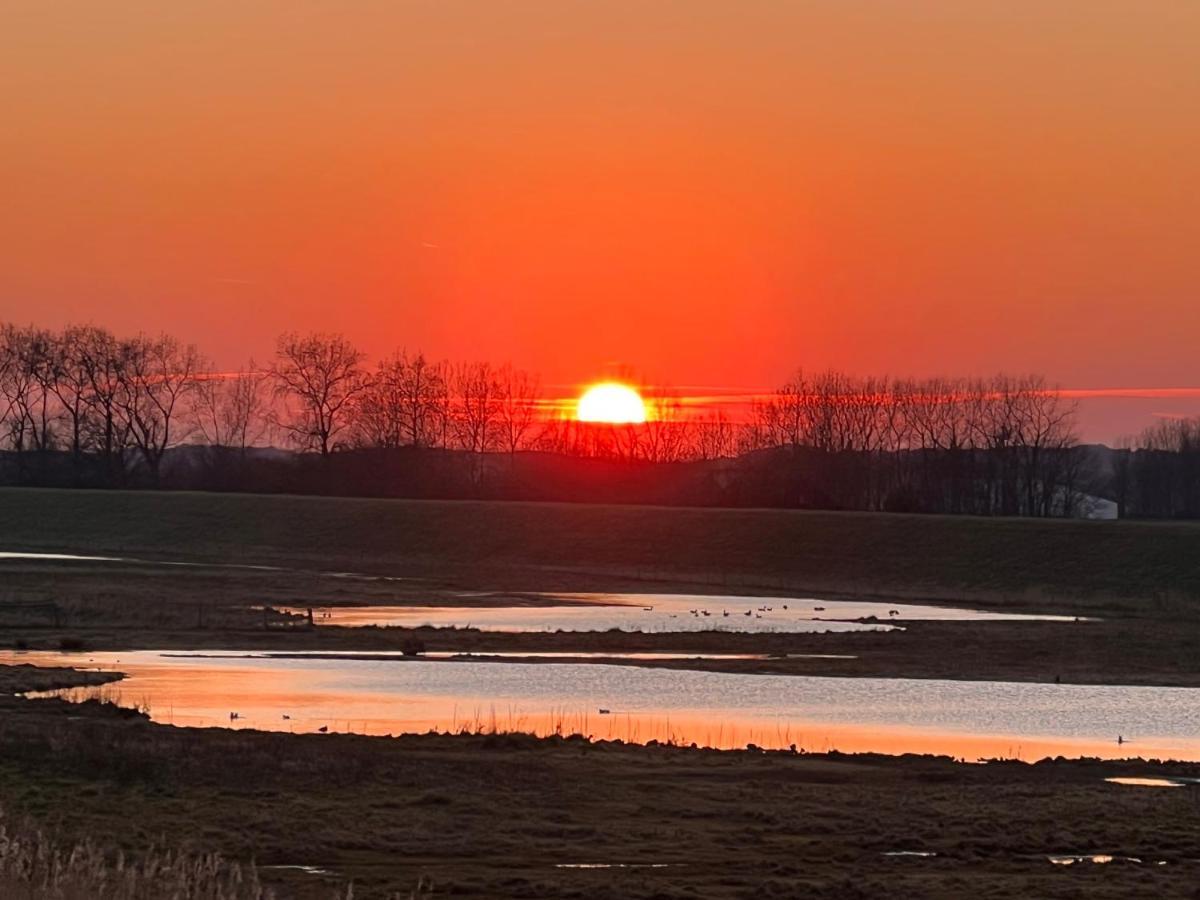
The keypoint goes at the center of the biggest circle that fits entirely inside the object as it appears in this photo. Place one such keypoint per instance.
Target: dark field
(518, 546)
(492, 816)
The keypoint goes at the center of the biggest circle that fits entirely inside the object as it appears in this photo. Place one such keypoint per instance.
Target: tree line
(1158, 474)
(997, 446)
(116, 405)
(84, 406)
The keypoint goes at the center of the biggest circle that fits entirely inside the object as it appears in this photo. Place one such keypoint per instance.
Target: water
(648, 613)
(968, 719)
(1168, 782)
(656, 613)
(6, 555)
(1101, 859)
(492, 654)
(60, 557)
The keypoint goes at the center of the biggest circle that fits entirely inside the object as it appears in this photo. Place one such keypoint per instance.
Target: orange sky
(707, 193)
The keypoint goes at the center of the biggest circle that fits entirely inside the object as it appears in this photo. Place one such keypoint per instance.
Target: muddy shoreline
(1119, 651)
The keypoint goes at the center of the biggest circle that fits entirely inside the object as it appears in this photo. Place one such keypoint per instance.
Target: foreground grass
(1024, 562)
(35, 867)
(499, 816)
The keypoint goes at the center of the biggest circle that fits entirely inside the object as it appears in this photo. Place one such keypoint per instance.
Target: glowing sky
(705, 193)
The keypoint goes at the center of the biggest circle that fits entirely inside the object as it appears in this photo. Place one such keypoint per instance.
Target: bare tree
(98, 354)
(425, 401)
(231, 410)
(714, 437)
(156, 376)
(1045, 428)
(405, 404)
(12, 385)
(23, 398)
(379, 413)
(476, 407)
(318, 377)
(518, 413)
(70, 385)
(663, 436)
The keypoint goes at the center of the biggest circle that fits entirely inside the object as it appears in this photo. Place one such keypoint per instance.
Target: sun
(617, 404)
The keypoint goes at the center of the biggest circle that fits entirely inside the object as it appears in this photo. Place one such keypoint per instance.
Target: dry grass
(34, 866)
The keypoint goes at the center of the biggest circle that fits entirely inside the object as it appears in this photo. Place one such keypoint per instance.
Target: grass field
(1009, 562)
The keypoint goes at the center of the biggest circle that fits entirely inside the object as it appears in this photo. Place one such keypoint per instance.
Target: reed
(33, 866)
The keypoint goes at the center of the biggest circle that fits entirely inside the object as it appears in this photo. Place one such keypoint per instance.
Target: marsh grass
(33, 866)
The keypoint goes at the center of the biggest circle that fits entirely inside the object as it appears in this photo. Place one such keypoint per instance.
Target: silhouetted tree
(155, 377)
(518, 413)
(476, 407)
(317, 378)
(231, 410)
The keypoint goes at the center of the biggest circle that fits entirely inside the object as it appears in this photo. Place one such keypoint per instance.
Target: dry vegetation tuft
(33, 866)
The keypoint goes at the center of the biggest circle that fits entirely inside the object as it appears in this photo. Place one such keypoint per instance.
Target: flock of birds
(757, 613)
(699, 613)
(696, 613)
(234, 717)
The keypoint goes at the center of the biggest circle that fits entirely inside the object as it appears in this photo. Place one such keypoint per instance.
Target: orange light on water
(611, 402)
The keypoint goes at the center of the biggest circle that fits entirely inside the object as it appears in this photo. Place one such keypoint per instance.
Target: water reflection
(968, 719)
(494, 654)
(1097, 858)
(658, 613)
(614, 865)
(168, 563)
(1171, 782)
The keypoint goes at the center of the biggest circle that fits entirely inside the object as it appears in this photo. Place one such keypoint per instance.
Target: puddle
(61, 557)
(129, 560)
(616, 865)
(308, 870)
(652, 613)
(1096, 858)
(1164, 782)
(923, 854)
(386, 695)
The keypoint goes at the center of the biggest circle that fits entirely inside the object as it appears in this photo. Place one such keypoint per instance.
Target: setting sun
(610, 402)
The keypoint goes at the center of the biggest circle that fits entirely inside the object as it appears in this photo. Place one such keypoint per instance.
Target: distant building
(1097, 508)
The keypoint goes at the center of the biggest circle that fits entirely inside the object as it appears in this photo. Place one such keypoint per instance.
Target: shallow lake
(658, 613)
(970, 719)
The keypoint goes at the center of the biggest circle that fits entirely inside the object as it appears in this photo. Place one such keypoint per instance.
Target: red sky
(705, 193)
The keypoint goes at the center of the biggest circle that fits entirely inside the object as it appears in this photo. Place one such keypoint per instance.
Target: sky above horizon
(707, 194)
